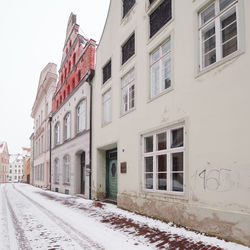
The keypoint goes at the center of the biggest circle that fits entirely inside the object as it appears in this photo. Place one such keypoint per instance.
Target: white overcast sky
(33, 34)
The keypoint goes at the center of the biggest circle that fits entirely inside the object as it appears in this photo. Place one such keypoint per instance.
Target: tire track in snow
(22, 241)
(4, 221)
(78, 236)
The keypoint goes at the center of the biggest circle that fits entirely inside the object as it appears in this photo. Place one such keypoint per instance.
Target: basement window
(160, 16)
(128, 49)
(127, 5)
(106, 71)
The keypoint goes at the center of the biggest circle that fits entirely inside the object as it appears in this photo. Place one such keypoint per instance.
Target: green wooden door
(112, 179)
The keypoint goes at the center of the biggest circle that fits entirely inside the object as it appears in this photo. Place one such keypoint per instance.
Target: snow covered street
(31, 218)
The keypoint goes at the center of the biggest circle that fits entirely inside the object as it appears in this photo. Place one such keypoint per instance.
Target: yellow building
(4, 162)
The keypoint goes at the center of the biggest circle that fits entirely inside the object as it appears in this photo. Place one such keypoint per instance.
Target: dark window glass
(160, 16)
(106, 71)
(151, 1)
(177, 138)
(128, 49)
(127, 5)
(149, 144)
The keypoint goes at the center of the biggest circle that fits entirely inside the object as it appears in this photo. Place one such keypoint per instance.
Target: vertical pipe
(50, 119)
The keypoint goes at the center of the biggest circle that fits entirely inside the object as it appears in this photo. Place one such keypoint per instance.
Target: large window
(67, 126)
(57, 134)
(127, 5)
(128, 91)
(128, 48)
(106, 71)
(160, 68)
(66, 167)
(107, 107)
(56, 171)
(218, 31)
(81, 116)
(163, 160)
(161, 15)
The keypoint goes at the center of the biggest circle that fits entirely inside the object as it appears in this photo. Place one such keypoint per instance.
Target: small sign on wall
(123, 167)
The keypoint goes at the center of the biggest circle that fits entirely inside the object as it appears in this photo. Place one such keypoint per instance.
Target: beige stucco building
(41, 112)
(16, 168)
(4, 162)
(171, 113)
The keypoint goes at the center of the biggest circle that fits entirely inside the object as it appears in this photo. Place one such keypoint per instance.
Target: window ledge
(219, 63)
(165, 194)
(128, 61)
(66, 184)
(161, 94)
(127, 112)
(106, 124)
(106, 83)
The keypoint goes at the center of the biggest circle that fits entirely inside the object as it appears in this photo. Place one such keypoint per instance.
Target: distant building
(41, 112)
(16, 169)
(26, 165)
(32, 159)
(4, 162)
(71, 114)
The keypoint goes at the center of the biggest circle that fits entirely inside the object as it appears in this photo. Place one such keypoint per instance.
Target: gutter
(50, 120)
(91, 74)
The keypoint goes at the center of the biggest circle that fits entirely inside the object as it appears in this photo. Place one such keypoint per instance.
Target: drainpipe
(91, 74)
(50, 120)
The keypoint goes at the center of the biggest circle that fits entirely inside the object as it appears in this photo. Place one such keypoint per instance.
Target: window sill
(219, 63)
(66, 184)
(127, 112)
(106, 83)
(161, 94)
(106, 124)
(128, 61)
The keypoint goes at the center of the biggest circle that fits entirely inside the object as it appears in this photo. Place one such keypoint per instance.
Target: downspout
(50, 120)
(89, 80)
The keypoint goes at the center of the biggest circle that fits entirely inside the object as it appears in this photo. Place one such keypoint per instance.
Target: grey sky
(32, 34)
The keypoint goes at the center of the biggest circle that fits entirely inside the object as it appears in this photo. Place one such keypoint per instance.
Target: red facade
(78, 58)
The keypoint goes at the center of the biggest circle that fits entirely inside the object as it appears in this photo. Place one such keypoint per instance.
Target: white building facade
(171, 113)
(41, 112)
(16, 168)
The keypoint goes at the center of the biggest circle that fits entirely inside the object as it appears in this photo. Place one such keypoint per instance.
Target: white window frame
(169, 151)
(81, 112)
(57, 133)
(56, 171)
(128, 91)
(167, 56)
(66, 169)
(67, 126)
(218, 37)
(107, 107)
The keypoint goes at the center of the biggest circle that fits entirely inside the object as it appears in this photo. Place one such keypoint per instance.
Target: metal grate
(106, 71)
(160, 16)
(128, 49)
(127, 5)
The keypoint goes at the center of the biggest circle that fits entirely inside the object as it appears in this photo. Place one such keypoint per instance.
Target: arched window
(66, 169)
(57, 133)
(74, 59)
(68, 89)
(67, 127)
(79, 75)
(69, 66)
(56, 171)
(81, 116)
(60, 99)
(73, 83)
(64, 94)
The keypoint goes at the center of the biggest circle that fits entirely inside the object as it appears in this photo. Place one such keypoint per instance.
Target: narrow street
(32, 218)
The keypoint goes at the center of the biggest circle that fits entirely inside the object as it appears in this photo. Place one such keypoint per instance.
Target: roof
(3, 144)
(16, 158)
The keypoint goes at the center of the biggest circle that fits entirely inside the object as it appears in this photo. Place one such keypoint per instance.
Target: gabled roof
(3, 145)
(18, 158)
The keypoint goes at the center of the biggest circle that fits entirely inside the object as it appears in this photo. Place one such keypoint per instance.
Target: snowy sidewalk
(74, 223)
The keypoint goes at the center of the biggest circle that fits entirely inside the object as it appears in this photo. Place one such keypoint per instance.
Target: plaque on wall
(123, 167)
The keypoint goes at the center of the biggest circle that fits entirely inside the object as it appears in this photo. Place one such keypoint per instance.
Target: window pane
(162, 181)
(155, 78)
(127, 5)
(162, 163)
(161, 141)
(128, 49)
(225, 3)
(149, 181)
(177, 182)
(106, 71)
(177, 138)
(160, 16)
(229, 32)
(155, 56)
(209, 44)
(210, 58)
(132, 96)
(149, 144)
(230, 47)
(166, 47)
(177, 161)
(166, 68)
(149, 164)
(228, 18)
(207, 14)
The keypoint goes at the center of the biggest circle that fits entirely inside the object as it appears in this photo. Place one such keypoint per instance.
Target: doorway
(83, 177)
(111, 174)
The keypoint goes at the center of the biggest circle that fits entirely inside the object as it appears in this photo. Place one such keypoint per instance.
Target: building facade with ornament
(71, 114)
